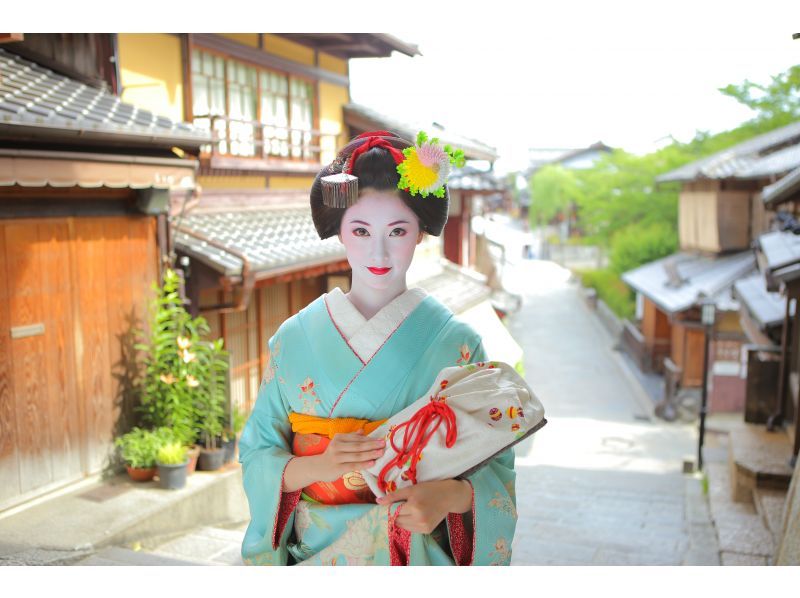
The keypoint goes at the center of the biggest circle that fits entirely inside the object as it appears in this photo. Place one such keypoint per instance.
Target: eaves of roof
(784, 189)
(362, 117)
(274, 240)
(766, 308)
(694, 277)
(773, 153)
(39, 104)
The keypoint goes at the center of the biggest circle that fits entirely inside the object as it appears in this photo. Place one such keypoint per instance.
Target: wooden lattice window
(208, 94)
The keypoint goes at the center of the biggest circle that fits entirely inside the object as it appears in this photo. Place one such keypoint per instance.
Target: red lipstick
(379, 271)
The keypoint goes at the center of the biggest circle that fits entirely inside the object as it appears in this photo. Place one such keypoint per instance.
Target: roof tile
(30, 93)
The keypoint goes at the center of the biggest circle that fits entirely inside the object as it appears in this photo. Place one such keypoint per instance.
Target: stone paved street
(602, 483)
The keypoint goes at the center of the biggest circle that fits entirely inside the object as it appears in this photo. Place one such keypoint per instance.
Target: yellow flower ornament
(427, 166)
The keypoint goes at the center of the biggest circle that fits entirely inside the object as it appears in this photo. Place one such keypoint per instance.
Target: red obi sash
(311, 437)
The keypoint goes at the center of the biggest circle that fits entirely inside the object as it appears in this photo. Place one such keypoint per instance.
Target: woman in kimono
(349, 361)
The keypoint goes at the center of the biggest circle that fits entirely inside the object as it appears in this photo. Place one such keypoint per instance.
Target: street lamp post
(708, 315)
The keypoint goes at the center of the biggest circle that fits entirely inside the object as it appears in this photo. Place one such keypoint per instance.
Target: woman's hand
(428, 503)
(344, 453)
(348, 452)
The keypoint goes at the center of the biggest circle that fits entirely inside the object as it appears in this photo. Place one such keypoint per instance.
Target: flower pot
(230, 449)
(172, 477)
(211, 459)
(141, 474)
(193, 455)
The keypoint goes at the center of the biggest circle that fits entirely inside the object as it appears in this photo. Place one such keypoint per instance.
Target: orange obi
(311, 437)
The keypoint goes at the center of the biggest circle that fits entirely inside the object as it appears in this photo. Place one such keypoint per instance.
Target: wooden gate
(70, 291)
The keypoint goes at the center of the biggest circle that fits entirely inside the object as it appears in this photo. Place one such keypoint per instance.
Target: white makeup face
(379, 233)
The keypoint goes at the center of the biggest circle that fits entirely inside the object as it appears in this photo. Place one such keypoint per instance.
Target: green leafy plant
(184, 381)
(235, 424)
(138, 448)
(610, 288)
(172, 453)
(211, 390)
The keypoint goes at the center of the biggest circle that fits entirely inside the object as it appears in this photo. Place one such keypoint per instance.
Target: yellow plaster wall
(290, 182)
(288, 49)
(151, 73)
(232, 182)
(248, 39)
(333, 64)
(331, 119)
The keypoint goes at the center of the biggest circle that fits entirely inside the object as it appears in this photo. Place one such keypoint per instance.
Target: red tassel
(416, 438)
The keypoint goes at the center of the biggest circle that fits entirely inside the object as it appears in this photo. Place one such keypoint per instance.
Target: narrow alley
(602, 483)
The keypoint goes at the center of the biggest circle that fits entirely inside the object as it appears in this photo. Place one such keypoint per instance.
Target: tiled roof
(780, 248)
(454, 288)
(766, 308)
(693, 277)
(38, 102)
(473, 149)
(273, 240)
(783, 189)
(773, 153)
(472, 179)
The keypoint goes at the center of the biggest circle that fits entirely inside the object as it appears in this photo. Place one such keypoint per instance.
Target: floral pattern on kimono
(286, 530)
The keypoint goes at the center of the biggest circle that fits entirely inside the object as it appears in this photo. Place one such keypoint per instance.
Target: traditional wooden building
(122, 152)
(720, 216)
(278, 107)
(85, 185)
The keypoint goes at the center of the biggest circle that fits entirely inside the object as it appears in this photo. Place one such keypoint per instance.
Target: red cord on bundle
(416, 438)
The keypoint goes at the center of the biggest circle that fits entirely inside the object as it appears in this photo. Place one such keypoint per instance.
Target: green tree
(552, 188)
(777, 102)
(637, 245)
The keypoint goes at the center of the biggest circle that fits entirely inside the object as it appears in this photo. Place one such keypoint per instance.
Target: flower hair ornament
(423, 169)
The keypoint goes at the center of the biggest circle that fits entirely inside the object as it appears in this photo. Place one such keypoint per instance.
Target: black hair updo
(375, 169)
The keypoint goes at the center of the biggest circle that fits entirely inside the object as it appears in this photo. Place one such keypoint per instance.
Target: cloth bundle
(469, 415)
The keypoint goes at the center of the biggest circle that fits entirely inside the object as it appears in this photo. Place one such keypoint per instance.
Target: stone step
(211, 545)
(117, 556)
(769, 505)
(758, 459)
(743, 536)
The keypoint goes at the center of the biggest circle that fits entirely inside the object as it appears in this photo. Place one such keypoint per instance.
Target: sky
(570, 74)
(514, 74)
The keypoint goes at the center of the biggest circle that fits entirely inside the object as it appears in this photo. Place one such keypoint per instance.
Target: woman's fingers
(360, 456)
(349, 446)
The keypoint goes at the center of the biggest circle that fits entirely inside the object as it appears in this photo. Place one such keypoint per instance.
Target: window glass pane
(200, 95)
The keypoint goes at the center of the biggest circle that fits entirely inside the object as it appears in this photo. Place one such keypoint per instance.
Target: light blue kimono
(313, 370)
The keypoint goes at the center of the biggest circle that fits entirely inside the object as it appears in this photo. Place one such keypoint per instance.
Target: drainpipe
(248, 277)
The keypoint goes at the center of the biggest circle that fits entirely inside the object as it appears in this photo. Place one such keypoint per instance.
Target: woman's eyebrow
(359, 222)
(398, 222)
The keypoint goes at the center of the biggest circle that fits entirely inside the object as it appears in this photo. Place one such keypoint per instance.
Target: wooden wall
(687, 352)
(86, 280)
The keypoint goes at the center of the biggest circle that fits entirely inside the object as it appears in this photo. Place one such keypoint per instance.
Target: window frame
(262, 153)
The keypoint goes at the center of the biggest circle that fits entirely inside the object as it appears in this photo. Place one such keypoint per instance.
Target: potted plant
(210, 395)
(230, 435)
(138, 448)
(181, 369)
(172, 464)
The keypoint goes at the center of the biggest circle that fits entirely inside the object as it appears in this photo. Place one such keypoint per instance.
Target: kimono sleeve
(264, 452)
(484, 536)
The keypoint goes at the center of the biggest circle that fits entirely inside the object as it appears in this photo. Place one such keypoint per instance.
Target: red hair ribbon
(416, 438)
(373, 140)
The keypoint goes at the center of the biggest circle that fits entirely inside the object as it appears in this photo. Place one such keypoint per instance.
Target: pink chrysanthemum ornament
(427, 166)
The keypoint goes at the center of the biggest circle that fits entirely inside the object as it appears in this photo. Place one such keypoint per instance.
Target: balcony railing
(240, 138)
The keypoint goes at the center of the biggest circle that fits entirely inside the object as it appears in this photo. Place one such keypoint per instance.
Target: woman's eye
(397, 232)
(361, 232)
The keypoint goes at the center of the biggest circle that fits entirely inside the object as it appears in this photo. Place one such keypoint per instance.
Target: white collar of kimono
(364, 336)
